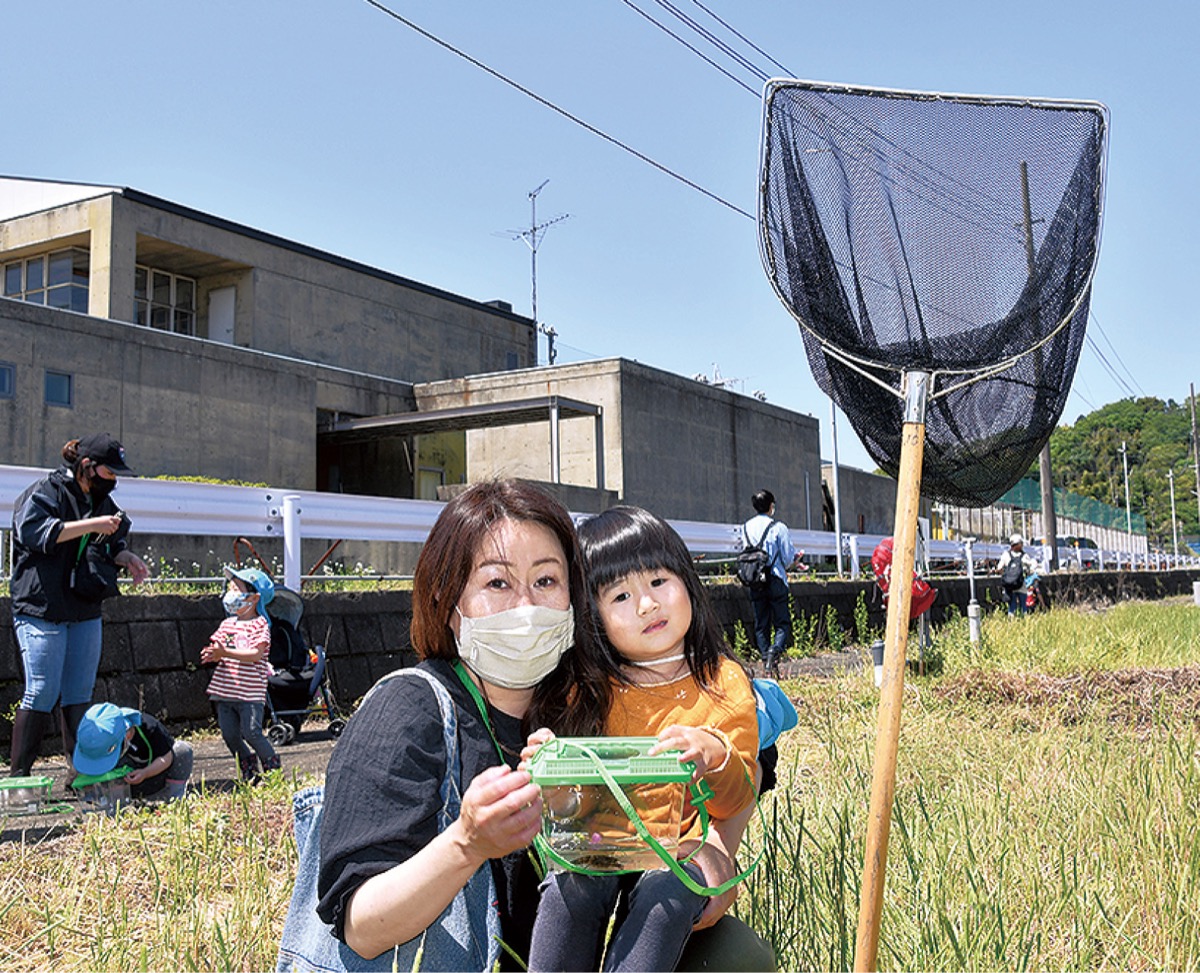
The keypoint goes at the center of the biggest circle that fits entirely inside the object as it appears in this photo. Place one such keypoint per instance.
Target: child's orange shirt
(728, 706)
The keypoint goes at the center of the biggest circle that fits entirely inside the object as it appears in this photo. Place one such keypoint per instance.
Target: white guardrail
(207, 509)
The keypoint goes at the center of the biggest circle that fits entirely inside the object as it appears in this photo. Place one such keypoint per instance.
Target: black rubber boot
(69, 718)
(29, 726)
(248, 769)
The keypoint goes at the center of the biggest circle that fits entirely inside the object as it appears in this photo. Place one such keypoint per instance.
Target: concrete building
(179, 293)
(868, 500)
(671, 444)
(214, 349)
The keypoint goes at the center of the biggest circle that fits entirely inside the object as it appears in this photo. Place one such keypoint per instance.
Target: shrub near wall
(151, 657)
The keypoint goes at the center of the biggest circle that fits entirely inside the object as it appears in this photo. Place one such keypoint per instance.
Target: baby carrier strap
(465, 936)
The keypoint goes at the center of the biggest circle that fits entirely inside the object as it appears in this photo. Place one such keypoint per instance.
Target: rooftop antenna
(532, 238)
(719, 381)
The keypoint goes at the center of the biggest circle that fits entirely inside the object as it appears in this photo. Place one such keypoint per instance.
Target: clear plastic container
(583, 821)
(107, 793)
(23, 795)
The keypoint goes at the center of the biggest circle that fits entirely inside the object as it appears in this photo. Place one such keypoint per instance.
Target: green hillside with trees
(1086, 459)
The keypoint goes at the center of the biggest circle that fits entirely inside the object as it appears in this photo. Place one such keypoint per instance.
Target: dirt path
(307, 754)
(214, 769)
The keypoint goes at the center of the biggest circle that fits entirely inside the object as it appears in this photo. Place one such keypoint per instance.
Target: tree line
(1086, 459)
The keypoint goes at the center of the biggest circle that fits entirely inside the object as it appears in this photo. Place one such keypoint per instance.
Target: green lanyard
(467, 681)
(700, 793)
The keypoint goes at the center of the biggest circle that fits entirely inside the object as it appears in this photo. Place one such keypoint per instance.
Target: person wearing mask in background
(58, 622)
(238, 688)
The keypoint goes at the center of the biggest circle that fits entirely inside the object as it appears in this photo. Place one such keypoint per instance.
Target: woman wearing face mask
(58, 630)
(498, 604)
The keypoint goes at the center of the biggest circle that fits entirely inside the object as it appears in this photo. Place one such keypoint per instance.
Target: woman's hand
(137, 568)
(501, 813)
(105, 525)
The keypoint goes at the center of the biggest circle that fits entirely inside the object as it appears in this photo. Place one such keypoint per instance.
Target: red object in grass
(923, 594)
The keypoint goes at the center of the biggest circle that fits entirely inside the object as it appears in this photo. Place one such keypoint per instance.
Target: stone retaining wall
(151, 657)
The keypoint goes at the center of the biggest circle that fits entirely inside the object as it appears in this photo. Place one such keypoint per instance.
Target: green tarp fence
(1027, 495)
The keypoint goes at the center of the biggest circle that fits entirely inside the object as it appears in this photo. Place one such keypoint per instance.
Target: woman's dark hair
(82, 468)
(571, 700)
(623, 540)
(70, 455)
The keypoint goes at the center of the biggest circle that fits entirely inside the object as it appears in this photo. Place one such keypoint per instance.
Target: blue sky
(330, 123)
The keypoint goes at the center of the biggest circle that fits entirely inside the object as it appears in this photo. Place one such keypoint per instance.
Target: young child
(238, 688)
(113, 736)
(670, 675)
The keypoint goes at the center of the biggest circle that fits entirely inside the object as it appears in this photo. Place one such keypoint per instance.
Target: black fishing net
(893, 226)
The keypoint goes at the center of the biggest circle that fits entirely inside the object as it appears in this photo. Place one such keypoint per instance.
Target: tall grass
(200, 884)
(1018, 840)
(1126, 635)
(1025, 835)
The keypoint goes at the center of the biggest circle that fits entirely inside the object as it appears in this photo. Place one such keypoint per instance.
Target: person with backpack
(1013, 567)
(762, 568)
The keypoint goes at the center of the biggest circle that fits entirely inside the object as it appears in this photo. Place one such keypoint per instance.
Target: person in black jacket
(59, 631)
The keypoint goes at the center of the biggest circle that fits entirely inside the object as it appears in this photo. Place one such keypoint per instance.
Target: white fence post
(291, 541)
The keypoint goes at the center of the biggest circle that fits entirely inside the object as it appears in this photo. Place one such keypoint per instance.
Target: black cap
(103, 450)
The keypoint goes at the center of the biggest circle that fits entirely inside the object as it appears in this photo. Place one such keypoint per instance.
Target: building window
(58, 279)
(513, 361)
(7, 373)
(58, 388)
(164, 301)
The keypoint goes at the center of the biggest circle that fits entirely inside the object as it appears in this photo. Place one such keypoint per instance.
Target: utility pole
(1174, 526)
(1128, 515)
(1195, 445)
(837, 495)
(1049, 521)
(532, 237)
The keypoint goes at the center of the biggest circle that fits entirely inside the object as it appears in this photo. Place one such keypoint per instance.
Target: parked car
(1083, 549)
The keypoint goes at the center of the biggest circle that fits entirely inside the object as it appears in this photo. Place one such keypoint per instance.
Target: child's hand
(704, 749)
(212, 652)
(536, 739)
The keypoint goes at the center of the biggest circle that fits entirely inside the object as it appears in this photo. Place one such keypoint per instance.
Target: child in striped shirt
(238, 687)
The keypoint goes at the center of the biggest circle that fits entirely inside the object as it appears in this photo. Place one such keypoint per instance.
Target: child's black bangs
(619, 543)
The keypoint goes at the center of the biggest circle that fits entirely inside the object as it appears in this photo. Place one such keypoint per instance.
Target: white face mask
(235, 601)
(517, 648)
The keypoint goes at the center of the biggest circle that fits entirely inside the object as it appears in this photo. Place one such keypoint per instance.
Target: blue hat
(101, 737)
(775, 711)
(260, 581)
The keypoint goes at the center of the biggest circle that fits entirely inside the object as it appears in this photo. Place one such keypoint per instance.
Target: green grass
(1025, 834)
(200, 884)
(1047, 802)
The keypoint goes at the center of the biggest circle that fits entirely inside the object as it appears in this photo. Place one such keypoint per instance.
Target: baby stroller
(299, 687)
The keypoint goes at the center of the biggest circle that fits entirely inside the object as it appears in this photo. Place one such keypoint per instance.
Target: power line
(743, 38)
(949, 191)
(700, 54)
(1107, 365)
(555, 108)
(1116, 354)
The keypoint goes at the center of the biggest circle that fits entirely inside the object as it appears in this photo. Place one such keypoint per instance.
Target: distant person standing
(1013, 567)
(57, 619)
(770, 602)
